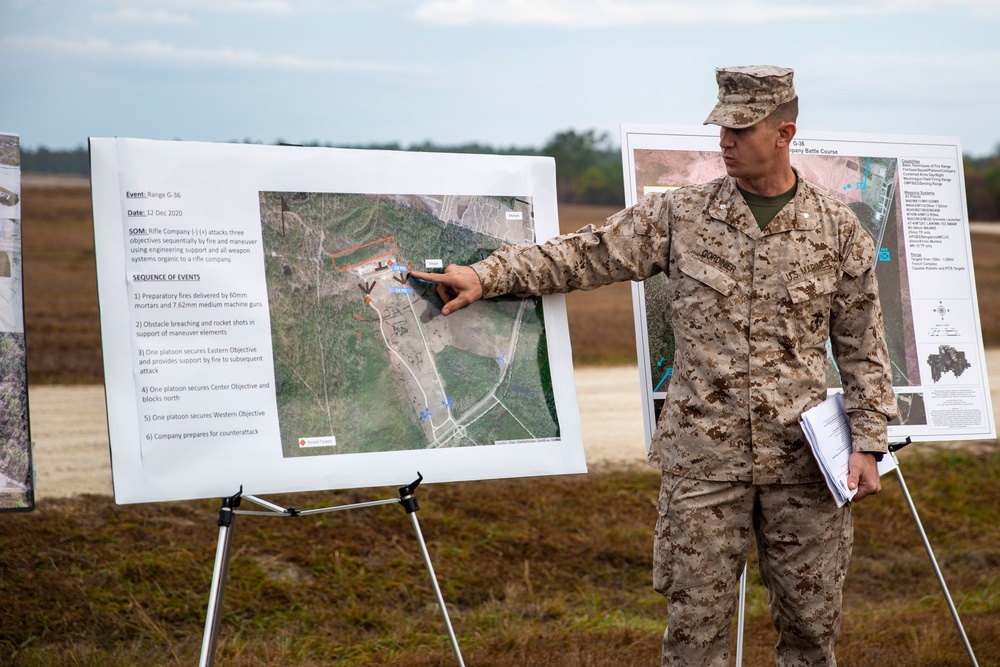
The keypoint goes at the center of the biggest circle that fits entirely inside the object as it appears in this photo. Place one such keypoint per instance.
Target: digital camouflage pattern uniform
(751, 313)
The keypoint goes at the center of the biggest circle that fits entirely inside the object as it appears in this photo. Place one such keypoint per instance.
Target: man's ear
(786, 132)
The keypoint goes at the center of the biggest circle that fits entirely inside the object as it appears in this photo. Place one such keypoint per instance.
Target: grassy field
(550, 572)
(62, 329)
(545, 571)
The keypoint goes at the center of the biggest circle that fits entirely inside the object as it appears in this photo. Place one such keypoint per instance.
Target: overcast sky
(501, 72)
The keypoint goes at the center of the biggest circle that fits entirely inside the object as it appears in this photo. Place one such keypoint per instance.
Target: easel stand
(893, 448)
(930, 552)
(227, 515)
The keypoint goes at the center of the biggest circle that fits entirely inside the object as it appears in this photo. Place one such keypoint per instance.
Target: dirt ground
(72, 455)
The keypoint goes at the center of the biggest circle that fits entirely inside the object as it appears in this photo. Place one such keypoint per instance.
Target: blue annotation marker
(863, 185)
(884, 255)
(668, 373)
(447, 403)
(426, 414)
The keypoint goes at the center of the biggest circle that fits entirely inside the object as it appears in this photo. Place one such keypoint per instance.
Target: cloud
(192, 12)
(138, 9)
(245, 7)
(610, 13)
(159, 52)
(134, 16)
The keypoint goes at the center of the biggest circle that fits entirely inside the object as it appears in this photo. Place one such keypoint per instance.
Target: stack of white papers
(828, 431)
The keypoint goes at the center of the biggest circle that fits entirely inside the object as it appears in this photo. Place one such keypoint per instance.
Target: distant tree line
(588, 164)
(588, 167)
(75, 161)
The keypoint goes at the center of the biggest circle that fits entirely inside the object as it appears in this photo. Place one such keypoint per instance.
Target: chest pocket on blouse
(707, 274)
(809, 312)
(809, 287)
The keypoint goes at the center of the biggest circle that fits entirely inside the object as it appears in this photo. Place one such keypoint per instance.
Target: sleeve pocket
(861, 257)
(709, 275)
(647, 213)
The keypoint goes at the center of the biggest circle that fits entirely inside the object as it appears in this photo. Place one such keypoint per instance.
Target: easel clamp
(228, 509)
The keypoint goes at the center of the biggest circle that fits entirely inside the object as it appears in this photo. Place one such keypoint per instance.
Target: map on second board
(869, 186)
(363, 359)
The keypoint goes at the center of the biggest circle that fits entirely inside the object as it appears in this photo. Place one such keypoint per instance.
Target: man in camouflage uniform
(763, 268)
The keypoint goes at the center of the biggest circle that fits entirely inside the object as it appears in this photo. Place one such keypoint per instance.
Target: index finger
(435, 278)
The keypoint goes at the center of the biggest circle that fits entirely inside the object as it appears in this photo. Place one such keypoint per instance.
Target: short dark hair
(787, 112)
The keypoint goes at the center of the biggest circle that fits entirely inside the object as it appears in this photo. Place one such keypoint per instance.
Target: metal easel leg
(409, 502)
(934, 563)
(227, 515)
(741, 617)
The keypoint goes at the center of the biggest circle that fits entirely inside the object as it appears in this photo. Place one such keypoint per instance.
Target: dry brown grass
(986, 259)
(62, 325)
(547, 572)
(601, 327)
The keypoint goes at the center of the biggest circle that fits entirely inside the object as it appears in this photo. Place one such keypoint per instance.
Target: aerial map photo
(363, 359)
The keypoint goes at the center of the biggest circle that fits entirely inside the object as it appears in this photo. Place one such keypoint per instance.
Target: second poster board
(909, 194)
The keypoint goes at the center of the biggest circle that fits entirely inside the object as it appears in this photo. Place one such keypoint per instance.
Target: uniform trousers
(700, 548)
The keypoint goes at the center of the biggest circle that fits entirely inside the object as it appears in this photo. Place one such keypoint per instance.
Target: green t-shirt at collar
(765, 208)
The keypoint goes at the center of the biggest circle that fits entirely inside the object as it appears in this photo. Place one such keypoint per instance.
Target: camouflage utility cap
(748, 95)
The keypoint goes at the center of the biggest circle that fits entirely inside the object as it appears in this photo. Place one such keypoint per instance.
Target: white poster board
(17, 489)
(909, 193)
(260, 327)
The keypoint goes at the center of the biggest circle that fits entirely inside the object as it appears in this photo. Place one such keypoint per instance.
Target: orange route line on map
(394, 251)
